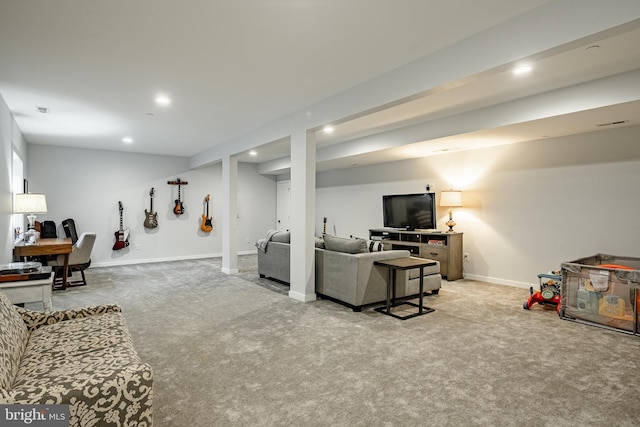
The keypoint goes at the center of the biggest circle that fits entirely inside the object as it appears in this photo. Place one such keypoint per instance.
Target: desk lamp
(30, 203)
(451, 199)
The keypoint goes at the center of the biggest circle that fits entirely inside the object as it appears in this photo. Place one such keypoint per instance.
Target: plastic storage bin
(602, 290)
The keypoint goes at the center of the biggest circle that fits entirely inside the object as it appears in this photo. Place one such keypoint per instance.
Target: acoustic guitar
(206, 225)
(179, 207)
(150, 217)
(122, 235)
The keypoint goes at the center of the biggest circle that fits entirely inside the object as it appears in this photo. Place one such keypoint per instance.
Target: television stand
(430, 244)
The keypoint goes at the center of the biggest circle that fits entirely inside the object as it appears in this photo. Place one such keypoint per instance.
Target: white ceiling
(231, 67)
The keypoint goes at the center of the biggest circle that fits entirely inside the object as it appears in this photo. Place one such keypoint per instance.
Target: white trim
(167, 259)
(496, 281)
(302, 297)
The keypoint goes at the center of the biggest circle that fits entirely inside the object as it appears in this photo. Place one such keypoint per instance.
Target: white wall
(5, 182)
(86, 185)
(10, 139)
(527, 207)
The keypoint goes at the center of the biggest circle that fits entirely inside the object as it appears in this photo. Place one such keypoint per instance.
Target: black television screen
(410, 211)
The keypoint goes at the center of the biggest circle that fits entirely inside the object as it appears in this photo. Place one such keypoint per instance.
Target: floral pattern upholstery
(13, 340)
(84, 358)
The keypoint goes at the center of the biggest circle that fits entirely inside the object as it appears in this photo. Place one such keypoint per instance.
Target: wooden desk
(49, 246)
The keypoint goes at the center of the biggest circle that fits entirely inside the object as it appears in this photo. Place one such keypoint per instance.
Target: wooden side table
(404, 264)
(38, 290)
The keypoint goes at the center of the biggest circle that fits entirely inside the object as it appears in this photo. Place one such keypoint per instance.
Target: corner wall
(527, 207)
(10, 139)
(86, 185)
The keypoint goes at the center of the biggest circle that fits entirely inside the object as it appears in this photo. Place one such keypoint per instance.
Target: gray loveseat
(84, 358)
(345, 271)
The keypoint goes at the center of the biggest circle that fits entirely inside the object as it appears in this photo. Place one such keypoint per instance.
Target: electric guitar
(179, 207)
(150, 217)
(122, 235)
(324, 225)
(206, 225)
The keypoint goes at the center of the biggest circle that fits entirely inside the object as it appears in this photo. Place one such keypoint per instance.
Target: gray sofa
(273, 256)
(345, 271)
(274, 262)
(83, 358)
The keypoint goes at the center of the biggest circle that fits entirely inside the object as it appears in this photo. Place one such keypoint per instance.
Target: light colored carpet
(236, 351)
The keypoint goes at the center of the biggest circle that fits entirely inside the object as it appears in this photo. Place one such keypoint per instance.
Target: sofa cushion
(282, 237)
(71, 352)
(13, 340)
(340, 244)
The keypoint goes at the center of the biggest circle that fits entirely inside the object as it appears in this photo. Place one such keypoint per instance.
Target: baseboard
(497, 281)
(302, 297)
(166, 259)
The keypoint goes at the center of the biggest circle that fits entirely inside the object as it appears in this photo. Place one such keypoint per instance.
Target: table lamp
(30, 203)
(451, 199)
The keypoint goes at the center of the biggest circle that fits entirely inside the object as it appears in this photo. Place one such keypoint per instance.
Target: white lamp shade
(30, 203)
(451, 198)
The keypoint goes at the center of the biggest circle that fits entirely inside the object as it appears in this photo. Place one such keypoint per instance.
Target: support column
(229, 214)
(303, 200)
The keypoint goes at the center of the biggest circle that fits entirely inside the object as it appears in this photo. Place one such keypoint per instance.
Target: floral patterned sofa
(84, 358)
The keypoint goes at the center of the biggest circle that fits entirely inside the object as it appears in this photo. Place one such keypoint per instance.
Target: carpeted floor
(234, 350)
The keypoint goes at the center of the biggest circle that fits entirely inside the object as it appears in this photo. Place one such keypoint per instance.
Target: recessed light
(327, 129)
(127, 140)
(43, 110)
(522, 69)
(253, 153)
(163, 100)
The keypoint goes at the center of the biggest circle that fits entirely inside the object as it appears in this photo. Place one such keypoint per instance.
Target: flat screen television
(410, 211)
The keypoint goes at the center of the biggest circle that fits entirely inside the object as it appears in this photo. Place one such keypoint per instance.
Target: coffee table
(38, 290)
(406, 263)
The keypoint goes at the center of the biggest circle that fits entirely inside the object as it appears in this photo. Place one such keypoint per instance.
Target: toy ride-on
(549, 292)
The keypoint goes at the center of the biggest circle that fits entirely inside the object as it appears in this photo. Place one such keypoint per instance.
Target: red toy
(549, 292)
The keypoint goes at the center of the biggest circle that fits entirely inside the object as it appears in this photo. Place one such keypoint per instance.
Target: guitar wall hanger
(179, 207)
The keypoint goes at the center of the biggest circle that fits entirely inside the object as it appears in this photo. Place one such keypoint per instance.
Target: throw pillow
(340, 244)
(319, 243)
(282, 237)
(375, 246)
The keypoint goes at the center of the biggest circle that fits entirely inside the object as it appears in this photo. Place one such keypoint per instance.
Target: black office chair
(70, 230)
(48, 230)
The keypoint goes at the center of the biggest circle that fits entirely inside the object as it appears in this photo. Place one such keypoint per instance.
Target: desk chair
(79, 260)
(69, 226)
